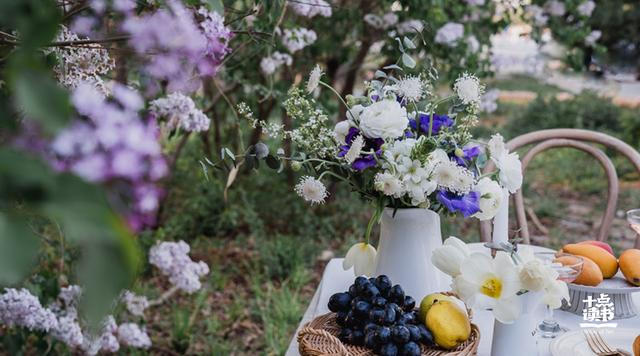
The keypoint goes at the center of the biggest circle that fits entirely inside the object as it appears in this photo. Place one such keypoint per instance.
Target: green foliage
(586, 111)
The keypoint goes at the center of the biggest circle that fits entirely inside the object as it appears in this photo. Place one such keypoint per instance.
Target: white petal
(465, 289)
(508, 274)
(448, 259)
(362, 257)
(458, 244)
(477, 267)
(508, 310)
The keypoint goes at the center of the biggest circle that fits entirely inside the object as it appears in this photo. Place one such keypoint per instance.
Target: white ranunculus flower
(496, 145)
(449, 257)
(362, 257)
(534, 275)
(554, 293)
(342, 130)
(385, 119)
(490, 283)
(491, 197)
(353, 114)
(510, 174)
(389, 184)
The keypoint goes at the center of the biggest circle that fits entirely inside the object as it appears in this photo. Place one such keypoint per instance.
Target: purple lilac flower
(439, 122)
(109, 144)
(469, 153)
(22, 309)
(173, 261)
(131, 334)
(468, 204)
(182, 50)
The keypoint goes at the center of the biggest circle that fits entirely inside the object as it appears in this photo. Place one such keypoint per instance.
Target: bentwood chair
(582, 140)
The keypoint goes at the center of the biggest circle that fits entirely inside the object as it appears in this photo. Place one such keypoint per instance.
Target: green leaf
(18, 249)
(408, 43)
(408, 61)
(230, 154)
(217, 6)
(40, 98)
(380, 74)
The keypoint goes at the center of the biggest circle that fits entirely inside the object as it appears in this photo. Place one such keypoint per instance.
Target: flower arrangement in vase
(406, 150)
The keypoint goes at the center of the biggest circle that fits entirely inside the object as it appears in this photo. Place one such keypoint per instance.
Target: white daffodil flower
(492, 284)
(362, 257)
(449, 257)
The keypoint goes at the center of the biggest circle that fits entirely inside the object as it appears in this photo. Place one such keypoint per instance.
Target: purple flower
(439, 122)
(469, 153)
(468, 204)
(370, 144)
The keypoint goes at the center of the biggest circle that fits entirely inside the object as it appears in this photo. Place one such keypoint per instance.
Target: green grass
(521, 82)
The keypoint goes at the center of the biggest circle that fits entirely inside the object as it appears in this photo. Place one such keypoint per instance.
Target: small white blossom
(468, 88)
(180, 111)
(555, 8)
(453, 177)
(136, 304)
(537, 14)
(269, 65)
(411, 88)
(354, 151)
(586, 8)
(314, 79)
(593, 37)
(68, 331)
(173, 261)
(22, 309)
(389, 185)
(132, 335)
(449, 34)
(311, 190)
(298, 38)
(311, 8)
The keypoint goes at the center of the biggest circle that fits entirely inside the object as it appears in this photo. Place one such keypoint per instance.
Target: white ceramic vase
(519, 338)
(407, 241)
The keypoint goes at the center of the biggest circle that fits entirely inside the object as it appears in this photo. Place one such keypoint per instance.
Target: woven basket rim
(319, 337)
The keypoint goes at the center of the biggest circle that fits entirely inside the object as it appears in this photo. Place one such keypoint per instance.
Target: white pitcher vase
(407, 240)
(518, 338)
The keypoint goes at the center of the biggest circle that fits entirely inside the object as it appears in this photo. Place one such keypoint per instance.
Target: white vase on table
(407, 241)
(519, 337)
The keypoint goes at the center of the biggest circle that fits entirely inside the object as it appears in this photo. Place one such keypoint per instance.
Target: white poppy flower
(490, 283)
(491, 197)
(385, 119)
(314, 79)
(449, 257)
(362, 257)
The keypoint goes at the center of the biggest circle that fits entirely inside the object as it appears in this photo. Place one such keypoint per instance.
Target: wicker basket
(319, 337)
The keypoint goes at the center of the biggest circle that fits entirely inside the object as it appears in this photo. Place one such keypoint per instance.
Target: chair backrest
(578, 139)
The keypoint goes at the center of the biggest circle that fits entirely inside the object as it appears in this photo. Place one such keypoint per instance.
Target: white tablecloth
(335, 280)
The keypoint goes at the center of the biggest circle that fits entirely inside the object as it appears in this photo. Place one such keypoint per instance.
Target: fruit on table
(448, 323)
(427, 302)
(601, 244)
(377, 314)
(607, 263)
(636, 346)
(591, 275)
(630, 266)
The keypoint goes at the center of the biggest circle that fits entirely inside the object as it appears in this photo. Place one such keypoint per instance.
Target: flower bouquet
(406, 150)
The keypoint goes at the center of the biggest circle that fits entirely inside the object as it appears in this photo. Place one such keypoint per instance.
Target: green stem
(338, 95)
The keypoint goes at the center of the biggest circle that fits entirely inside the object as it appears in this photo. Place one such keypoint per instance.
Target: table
(335, 279)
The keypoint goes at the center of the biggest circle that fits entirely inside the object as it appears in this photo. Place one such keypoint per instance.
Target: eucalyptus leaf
(408, 61)
(408, 43)
(217, 6)
(380, 74)
(393, 66)
(400, 46)
(18, 249)
(230, 154)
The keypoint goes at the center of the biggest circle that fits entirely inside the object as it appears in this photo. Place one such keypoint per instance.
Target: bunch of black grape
(379, 316)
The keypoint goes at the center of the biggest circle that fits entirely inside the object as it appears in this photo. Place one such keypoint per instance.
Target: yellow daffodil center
(491, 287)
